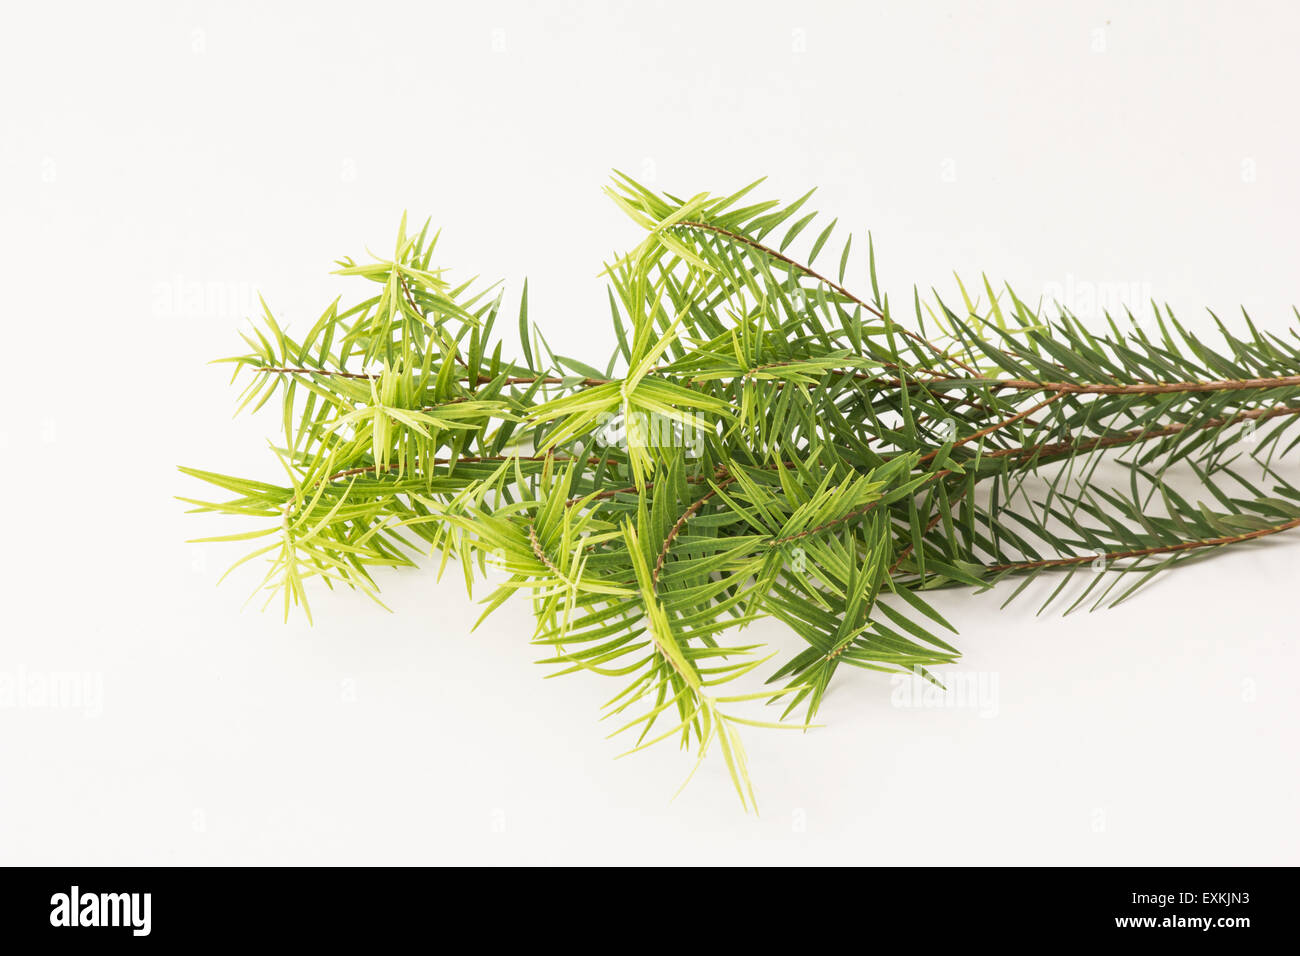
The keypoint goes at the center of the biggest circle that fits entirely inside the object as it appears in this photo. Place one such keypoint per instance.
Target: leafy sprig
(764, 442)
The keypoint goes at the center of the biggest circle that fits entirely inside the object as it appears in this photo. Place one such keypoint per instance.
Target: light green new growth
(764, 442)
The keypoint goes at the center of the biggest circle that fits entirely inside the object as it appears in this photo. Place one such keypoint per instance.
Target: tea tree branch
(763, 442)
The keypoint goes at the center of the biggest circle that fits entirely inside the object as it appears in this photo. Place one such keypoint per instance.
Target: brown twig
(539, 551)
(316, 371)
(1143, 552)
(930, 526)
(826, 526)
(1138, 434)
(677, 528)
(1130, 437)
(938, 383)
(466, 460)
(992, 428)
(818, 277)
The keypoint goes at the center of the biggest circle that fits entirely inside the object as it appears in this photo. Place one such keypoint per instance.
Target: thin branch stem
(1144, 552)
(316, 371)
(925, 459)
(818, 277)
(679, 525)
(1140, 434)
(1016, 384)
(540, 552)
(464, 460)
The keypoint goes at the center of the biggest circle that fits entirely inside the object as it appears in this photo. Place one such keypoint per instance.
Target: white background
(161, 163)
